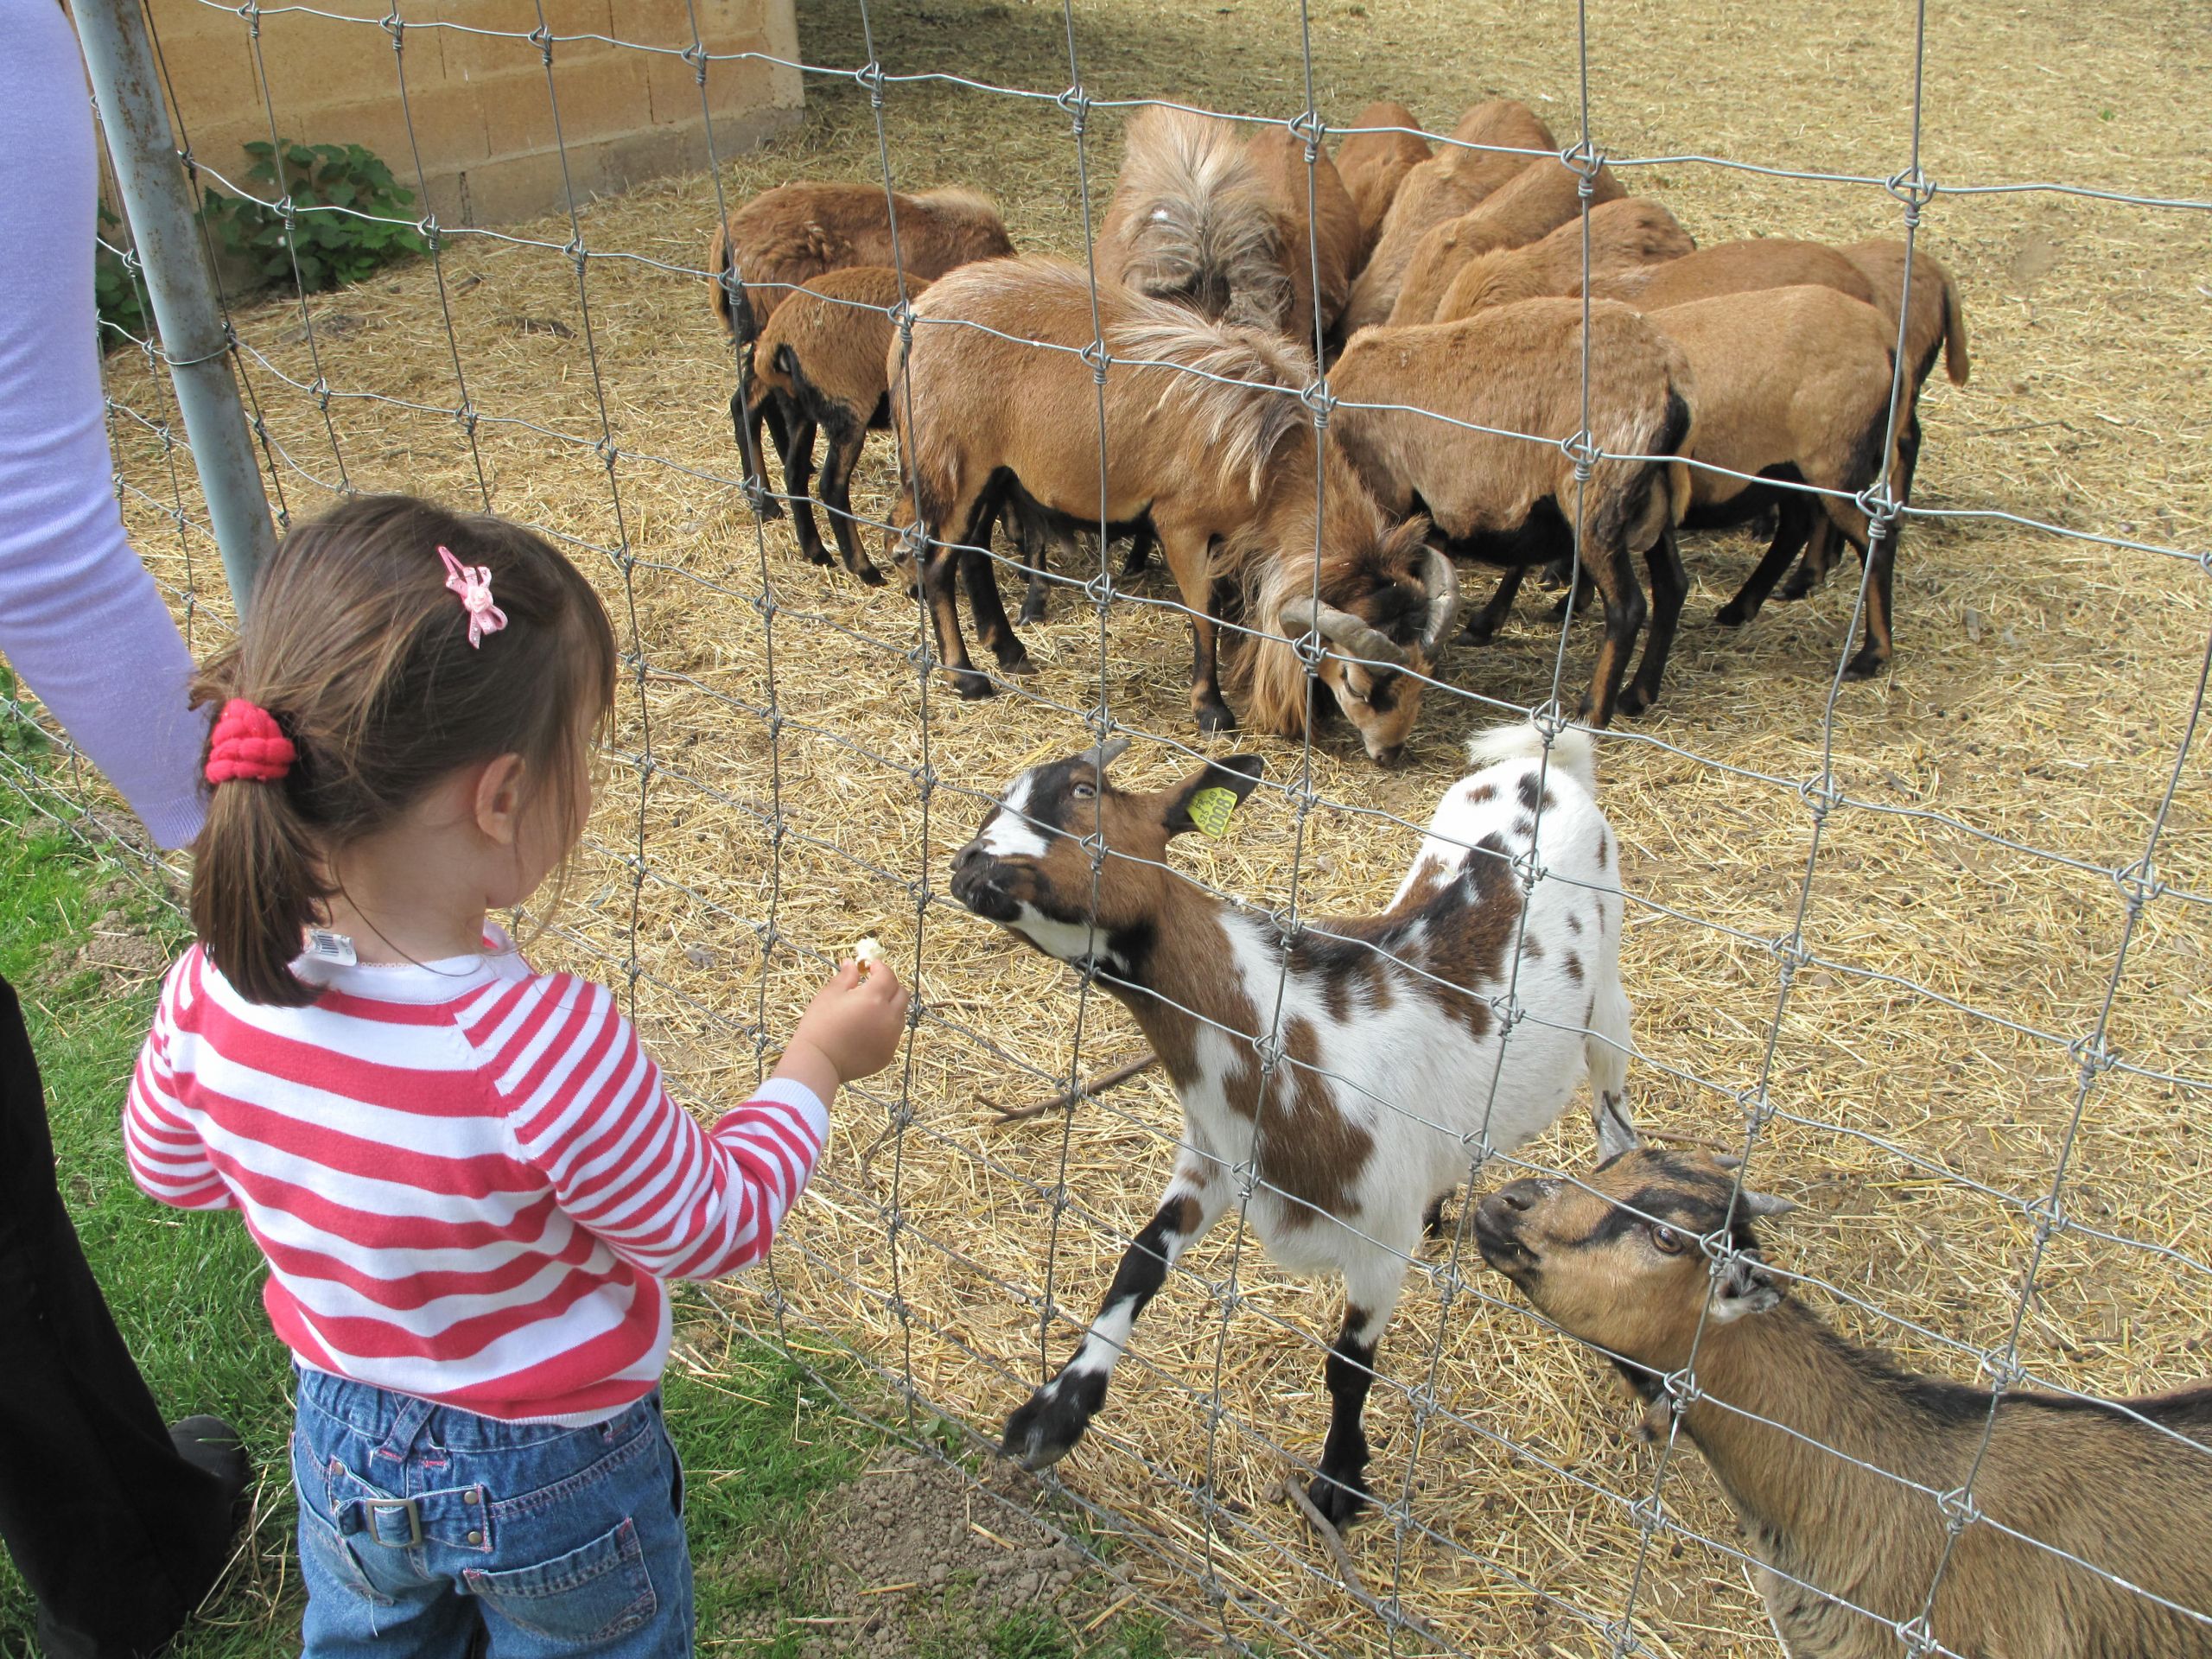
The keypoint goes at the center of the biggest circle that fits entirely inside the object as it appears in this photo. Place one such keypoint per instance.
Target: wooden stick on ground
(1067, 1097)
(1294, 1489)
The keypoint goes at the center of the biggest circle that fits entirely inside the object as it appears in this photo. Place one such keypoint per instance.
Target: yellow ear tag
(1209, 810)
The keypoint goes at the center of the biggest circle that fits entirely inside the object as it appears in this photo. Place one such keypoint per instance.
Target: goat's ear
(1239, 774)
(1743, 1287)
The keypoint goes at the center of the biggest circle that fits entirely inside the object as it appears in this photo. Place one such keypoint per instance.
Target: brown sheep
(1326, 242)
(1833, 1456)
(786, 237)
(1204, 219)
(1513, 500)
(1373, 164)
(1224, 472)
(1938, 324)
(1452, 182)
(1529, 206)
(1624, 235)
(1732, 267)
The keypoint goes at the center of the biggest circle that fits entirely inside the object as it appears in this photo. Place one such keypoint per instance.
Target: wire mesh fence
(1927, 953)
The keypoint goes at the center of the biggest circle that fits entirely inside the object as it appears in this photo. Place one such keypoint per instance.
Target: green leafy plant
(122, 302)
(318, 248)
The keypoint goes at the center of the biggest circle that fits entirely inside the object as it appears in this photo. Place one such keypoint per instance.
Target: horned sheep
(1207, 440)
(2078, 1543)
(1393, 1062)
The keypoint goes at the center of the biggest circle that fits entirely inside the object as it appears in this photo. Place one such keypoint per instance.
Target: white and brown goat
(1207, 440)
(1394, 1070)
(785, 237)
(2087, 1539)
(1514, 501)
(1494, 141)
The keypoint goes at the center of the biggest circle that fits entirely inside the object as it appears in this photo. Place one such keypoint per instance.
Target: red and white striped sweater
(466, 1176)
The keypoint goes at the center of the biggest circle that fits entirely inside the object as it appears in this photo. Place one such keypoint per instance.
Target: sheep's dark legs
(1036, 544)
(1482, 623)
(939, 588)
(1046, 1429)
(1615, 578)
(1140, 545)
(1881, 552)
(1792, 530)
(986, 606)
(745, 417)
(836, 493)
(1185, 550)
(798, 468)
(1670, 585)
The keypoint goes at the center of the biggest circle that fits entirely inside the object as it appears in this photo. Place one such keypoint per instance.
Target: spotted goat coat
(1394, 1074)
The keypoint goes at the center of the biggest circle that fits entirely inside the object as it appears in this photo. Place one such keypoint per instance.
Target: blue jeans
(419, 1524)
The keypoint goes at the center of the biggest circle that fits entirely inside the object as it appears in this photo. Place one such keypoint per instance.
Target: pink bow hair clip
(473, 584)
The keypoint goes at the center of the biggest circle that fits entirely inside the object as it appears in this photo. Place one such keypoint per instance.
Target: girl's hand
(851, 1029)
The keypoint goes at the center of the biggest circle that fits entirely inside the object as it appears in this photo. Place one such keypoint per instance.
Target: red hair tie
(248, 744)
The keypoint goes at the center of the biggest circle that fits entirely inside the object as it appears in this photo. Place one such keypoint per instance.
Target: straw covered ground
(2040, 695)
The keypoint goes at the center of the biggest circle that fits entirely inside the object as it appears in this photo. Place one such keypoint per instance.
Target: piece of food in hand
(867, 954)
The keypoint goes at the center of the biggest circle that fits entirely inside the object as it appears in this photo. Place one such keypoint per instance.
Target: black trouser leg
(116, 1536)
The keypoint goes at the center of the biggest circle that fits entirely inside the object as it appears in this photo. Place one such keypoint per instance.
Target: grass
(184, 1290)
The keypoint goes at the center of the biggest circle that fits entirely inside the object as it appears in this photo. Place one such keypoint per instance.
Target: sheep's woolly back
(958, 199)
(1573, 752)
(1189, 210)
(1235, 386)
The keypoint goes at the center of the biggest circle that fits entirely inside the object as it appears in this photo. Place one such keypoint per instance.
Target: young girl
(466, 1176)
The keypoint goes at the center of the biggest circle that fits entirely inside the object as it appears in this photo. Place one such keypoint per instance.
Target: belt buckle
(402, 1505)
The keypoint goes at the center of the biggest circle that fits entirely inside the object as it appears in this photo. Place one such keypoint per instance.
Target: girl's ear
(498, 799)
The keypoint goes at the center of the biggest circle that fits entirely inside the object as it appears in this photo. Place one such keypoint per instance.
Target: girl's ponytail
(373, 662)
(257, 875)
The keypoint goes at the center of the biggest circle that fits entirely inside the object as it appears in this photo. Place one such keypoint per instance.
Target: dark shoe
(210, 1443)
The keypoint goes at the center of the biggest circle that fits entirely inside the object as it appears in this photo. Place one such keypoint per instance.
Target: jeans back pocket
(591, 1594)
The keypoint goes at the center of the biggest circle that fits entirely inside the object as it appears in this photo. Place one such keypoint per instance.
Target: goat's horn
(1763, 1203)
(1353, 636)
(1440, 579)
(1103, 755)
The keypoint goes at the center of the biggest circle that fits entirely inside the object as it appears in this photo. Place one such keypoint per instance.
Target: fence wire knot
(870, 75)
(1580, 449)
(1682, 1389)
(1585, 159)
(393, 26)
(542, 38)
(1075, 103)
(2140, 883)
(1099, 359)
(1822, 795)
(695, 55)
(1917, 1639)
(1882, 509)
(1915, 189)
(1309, 126)
(2092, 1057)
(1319, 400)
(2002, 1368)
(1958, 1509)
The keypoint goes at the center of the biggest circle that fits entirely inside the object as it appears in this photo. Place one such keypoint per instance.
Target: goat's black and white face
(1028, 868)
(1619, 1259)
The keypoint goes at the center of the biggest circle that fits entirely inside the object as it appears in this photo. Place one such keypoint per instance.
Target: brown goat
(1528, 207)
(786, 237)
(1454, 181)
(1223, 471)
(2082, 1511)
(1373, 163)
(1514, 502)
(1624, 235)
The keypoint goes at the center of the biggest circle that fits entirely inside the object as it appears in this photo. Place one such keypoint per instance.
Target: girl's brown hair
(354, 643)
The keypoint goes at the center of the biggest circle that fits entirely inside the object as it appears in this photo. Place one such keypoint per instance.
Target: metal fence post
(193, 341)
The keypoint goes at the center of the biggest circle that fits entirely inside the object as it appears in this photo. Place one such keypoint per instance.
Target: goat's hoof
(1733, 614)
(1866, 665)
(1341, 1500)
(1635, 701)
(818, 555)
(869, 576)
(1016, 663)
(1217, 718)
(972, 686)
(1030, 615)
(1479, 630)
(1797, 586)
(1046, 1429)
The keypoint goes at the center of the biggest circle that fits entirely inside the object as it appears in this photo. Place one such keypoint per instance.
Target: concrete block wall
(481, 111)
